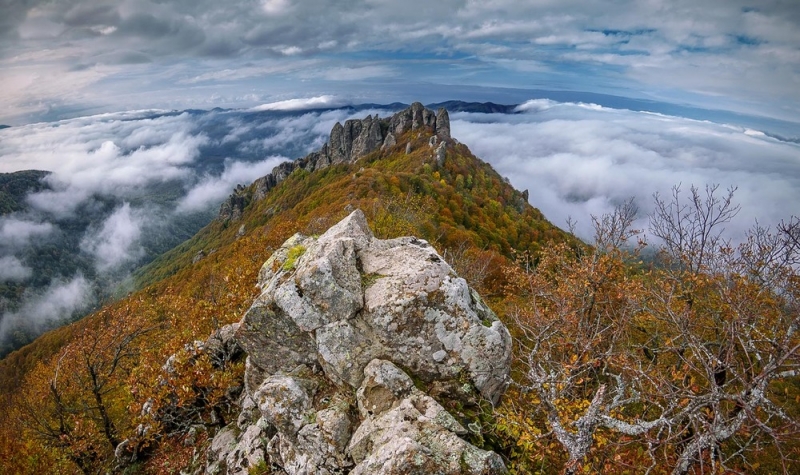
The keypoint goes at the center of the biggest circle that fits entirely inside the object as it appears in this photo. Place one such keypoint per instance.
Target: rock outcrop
(355, 347)
(232, 208)
(348, 142)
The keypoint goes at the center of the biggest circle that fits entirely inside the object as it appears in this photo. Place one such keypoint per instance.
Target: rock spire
(348, 142)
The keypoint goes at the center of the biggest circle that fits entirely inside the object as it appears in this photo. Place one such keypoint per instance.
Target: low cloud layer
(581, 159)
(15, 233)
(57, 302)
(13, 270)
(123, 183)
(116, 242)
(319, 102)
(212, 190)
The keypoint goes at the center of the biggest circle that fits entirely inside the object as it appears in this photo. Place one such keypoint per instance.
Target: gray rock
(337, 145)
(389, 142)
(232, 208)
(401, 121)
(368, 140)
(221, 445)
(418, 116)
(199, 256)
(440, 154)
(222, 346)
(272, 339)
(285, 402)
(320, 446)
(344, 312)
(407, 432)
(443, 123)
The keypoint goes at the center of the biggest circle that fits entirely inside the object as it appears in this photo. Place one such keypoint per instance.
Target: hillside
(84, 228)
(460, 205)
(686, 365)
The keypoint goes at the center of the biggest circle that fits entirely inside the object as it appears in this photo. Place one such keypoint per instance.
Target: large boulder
(344, 327)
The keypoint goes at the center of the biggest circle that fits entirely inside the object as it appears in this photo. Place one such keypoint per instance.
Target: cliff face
(348, 142)
(354, 349)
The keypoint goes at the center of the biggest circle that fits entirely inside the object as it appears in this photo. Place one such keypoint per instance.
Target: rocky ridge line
(348, 142)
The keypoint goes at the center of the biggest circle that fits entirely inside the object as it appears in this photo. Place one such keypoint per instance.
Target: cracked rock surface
(355, 348)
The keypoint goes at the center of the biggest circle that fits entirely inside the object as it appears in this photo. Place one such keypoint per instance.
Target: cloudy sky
(77, 57)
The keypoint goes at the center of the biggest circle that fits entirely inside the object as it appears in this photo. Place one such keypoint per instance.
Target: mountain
(409, 178)
(77, 233)
(364, 309)
(481, 107)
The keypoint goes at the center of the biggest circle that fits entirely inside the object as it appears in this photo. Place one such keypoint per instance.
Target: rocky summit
(364, 356)
(348, 142)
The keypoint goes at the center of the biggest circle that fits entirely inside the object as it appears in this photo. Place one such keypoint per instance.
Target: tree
(575, 318)
(727, 319)
(85, 402)
(681, 362)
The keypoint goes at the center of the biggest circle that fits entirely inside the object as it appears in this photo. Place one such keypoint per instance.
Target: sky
(81, 57)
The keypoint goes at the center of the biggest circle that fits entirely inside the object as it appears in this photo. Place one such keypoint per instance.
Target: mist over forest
(120, 189)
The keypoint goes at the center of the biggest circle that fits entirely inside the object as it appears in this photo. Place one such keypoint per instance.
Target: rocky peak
(348, 142)
(355, 347)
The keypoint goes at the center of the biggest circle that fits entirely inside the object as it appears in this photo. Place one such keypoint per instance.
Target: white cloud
(117, 240)
(212, 190)
(13, 270)
(109, 155)
(17, 232)
(59, 300)
(358, 73)
(318, 102)
(577, 160)
(275, 7)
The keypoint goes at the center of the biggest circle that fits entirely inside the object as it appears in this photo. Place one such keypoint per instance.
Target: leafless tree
(685, 356)
(692, 231)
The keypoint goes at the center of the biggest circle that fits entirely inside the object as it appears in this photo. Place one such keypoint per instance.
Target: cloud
(106, 155)
(359, 73)
(117, 240)
(577, 160)
(319, 102)
(58, 301)
(13, 270)
(16, 232)
(152, 50)
(211, 190)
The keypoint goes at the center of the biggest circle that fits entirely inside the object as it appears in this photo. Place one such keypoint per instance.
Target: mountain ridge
(459, 204)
